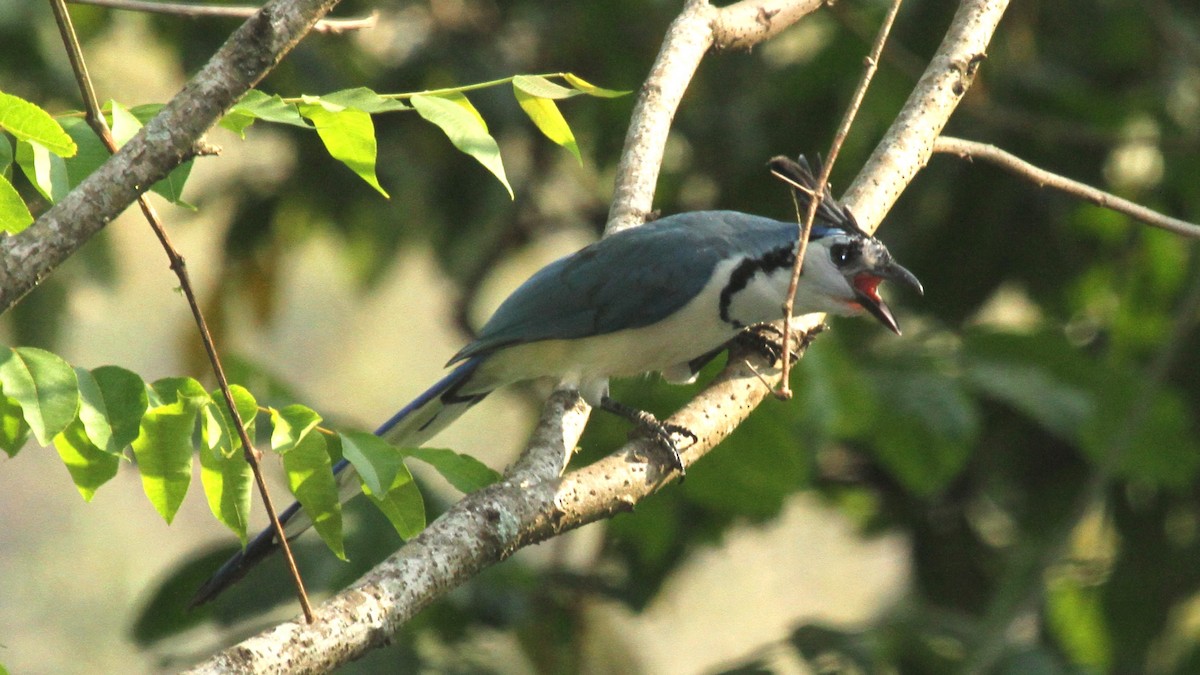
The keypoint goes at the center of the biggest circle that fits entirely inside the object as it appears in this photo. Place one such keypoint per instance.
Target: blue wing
(629, 280)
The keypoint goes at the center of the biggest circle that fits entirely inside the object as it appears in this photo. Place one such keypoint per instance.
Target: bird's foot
(767, 340)
(663, 433)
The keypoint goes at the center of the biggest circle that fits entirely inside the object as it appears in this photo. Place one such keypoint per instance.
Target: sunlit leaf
(28, 122)
(163, 451)
(45, 387)
(549, 120)
(539, 87)
(6, 155)
(14, 214)
(1075, 614)
(125, 401)
(591, 89)
(309, 470)
(224, 472)
(365, 100)
(376, 461)
(125, 124)
(402, 504)
(44, 169)
(89, 466)
(14, 431)
(185, 390)
(465, 128)
(256, 105)
(348, 135)
(464, 472)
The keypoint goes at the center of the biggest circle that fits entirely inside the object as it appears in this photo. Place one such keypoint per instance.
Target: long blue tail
(414, 424)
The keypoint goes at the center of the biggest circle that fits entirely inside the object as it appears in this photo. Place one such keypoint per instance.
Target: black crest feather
(803, 179)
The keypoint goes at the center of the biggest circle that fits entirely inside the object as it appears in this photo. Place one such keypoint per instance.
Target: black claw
(660, 432)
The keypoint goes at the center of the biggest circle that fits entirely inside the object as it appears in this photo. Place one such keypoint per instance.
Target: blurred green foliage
(1034, 434)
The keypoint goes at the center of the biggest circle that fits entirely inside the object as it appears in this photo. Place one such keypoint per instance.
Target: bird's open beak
(866, 290)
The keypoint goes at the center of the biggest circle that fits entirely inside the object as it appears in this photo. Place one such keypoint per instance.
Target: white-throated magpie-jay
(660, 297)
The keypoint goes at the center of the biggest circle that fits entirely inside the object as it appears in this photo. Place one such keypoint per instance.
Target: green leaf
(309, 470)
(91, 154)
(1076, 616)
(591, 89)
(6, 155)
(402, 504)
(464, 472)
(539, 87)
(256, 105)
(13, 429)
(14, 215)
(462, 124)
(89, 466)
(1151, 432)
(224, 472)
(1057, 406)
(377, 462)
(184, 390)
(364, 99)
(925, 436)
(123, 396)
(163, 451)
(93, 412)
(549, 120)
(44, 169)
(45, 387)
(124, 124)
(28, 122)
(348, 135)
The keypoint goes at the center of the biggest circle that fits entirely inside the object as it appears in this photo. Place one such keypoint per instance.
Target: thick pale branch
(699, 27)
(1042, 178)
(165, 142)
(908, 143)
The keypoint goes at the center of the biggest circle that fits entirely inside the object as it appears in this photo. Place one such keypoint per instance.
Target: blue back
(629, 280)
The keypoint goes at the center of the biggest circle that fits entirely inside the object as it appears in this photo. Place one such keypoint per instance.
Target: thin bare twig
(806, 222)
(194, 11)
(1042, 178)
(96, 120)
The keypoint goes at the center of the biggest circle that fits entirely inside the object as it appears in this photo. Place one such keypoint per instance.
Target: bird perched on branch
(666, 297)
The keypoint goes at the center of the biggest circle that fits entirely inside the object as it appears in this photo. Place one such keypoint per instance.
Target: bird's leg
(660, 431)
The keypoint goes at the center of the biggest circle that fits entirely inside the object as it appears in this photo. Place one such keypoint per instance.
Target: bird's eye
(842, 254)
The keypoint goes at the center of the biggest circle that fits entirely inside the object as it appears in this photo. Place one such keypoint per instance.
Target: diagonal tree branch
(533, 504)
(908, 143)
(165, 142)
(1015, 165)
(697, 29)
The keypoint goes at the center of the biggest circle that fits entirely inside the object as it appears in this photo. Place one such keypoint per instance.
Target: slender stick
(871, 65)
(1042, 178)
(95, 118)
(195, 11)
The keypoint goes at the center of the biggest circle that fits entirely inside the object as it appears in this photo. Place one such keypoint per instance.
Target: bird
(666, 296)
